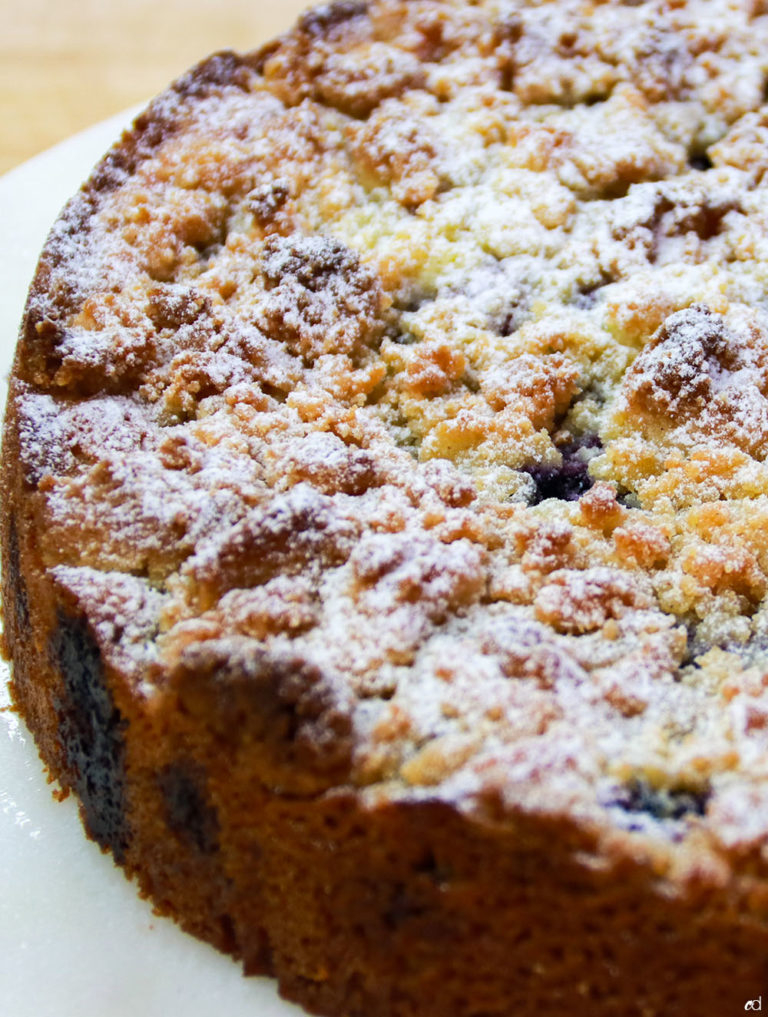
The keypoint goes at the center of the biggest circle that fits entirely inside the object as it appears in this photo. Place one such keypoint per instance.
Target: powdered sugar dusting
(428, 356)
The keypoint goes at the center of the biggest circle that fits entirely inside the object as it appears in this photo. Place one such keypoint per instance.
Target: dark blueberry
(570, 480)
(188, 813)
(567, 482)
(700, 162)
(91, 730)
(662, 803)
(753, 653)
(402, 907)
(16, 581)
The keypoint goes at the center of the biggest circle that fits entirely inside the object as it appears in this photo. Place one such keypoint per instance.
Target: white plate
(75, 939)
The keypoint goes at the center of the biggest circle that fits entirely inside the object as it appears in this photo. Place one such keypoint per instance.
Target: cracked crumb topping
(420, 362)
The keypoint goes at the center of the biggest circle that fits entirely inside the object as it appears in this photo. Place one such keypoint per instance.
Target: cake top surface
(420, 361)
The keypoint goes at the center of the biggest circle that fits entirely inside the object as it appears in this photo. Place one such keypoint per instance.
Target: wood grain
(66, 65)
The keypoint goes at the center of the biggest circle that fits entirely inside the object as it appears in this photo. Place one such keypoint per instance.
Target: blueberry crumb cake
(385, 507)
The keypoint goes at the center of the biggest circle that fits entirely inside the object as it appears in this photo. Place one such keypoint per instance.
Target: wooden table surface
(66, 64)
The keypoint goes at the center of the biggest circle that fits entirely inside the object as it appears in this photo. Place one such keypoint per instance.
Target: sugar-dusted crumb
(429, 348)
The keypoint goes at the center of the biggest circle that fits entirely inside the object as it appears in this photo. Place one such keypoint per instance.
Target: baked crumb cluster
(421, 360)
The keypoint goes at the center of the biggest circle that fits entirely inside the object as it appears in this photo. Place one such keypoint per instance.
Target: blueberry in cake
(385, 507)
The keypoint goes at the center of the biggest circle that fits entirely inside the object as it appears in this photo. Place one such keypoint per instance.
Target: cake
(385, 507)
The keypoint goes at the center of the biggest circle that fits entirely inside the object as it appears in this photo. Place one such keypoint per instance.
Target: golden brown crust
(384, 506)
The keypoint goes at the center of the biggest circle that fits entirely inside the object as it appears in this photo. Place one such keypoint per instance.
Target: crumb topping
(421, 361)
